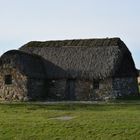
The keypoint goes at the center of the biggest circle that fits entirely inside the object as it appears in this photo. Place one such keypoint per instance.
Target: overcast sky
(24, 20)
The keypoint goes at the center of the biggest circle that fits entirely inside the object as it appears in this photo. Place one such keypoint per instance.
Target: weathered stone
(123, 87)
(22, 87)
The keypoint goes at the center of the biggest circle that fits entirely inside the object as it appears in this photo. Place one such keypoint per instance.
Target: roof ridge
(76, 42)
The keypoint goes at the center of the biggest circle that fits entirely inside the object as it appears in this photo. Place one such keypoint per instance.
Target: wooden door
(70, 89)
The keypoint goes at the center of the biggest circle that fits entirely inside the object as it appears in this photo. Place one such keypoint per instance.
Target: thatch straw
(29, 64)
(84, 59)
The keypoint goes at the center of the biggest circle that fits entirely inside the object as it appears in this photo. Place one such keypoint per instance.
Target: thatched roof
(84, 58)
(75, 42)
(29, 64)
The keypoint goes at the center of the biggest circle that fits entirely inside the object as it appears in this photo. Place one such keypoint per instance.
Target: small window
(96, 84)
(8, 79)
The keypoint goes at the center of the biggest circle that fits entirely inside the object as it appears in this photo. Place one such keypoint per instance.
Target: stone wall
(123, 87)
(25, 88)
(36, 89)
(17, 90)
(22, 88)
(83, 90)
(108, 89)
(105, 91)
(56, 89)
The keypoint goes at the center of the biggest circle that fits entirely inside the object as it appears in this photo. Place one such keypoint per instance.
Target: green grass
(90, 122)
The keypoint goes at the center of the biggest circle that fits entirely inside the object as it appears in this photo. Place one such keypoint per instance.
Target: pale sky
(24, 20)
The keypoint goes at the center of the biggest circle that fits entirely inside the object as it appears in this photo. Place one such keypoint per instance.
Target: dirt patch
(63, 118)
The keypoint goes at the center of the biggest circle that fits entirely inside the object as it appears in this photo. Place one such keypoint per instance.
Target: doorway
(70, 89)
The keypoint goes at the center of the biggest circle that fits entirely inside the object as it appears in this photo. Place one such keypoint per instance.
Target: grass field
(70, 121)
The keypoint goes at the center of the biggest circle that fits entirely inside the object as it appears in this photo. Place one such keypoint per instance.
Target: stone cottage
(84, 69)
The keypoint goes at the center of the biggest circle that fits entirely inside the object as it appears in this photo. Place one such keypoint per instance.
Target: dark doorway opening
(70, 89)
